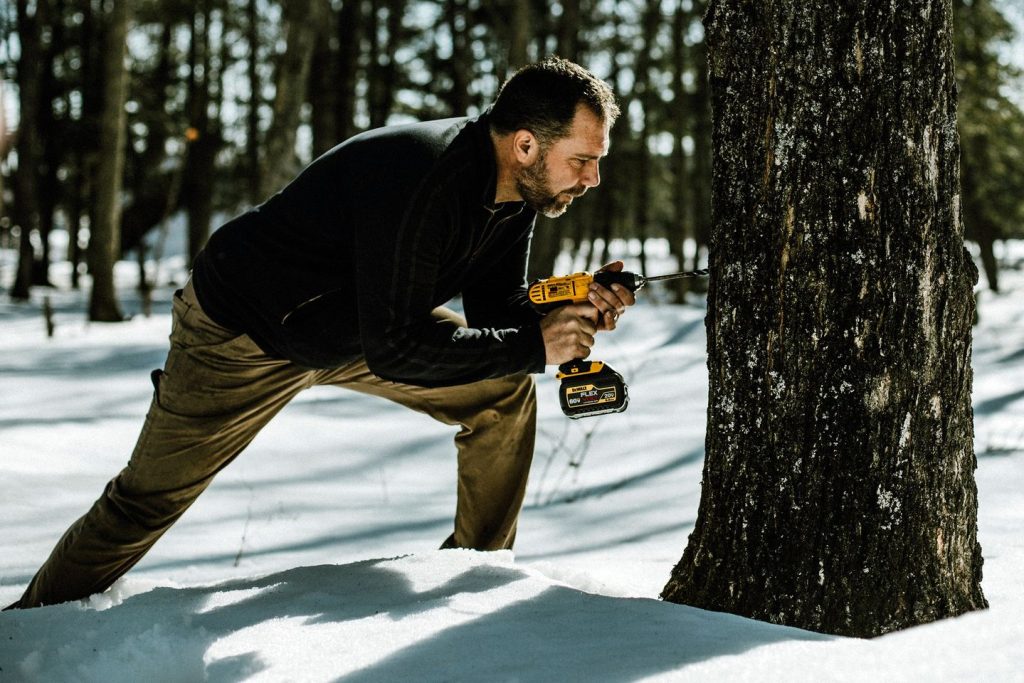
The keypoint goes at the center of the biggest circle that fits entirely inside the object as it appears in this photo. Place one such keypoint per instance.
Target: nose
(591, 174)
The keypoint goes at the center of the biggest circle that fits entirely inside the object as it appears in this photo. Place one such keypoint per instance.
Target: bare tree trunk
(350, 32)
(646, 95)
(280, 163)
(252, 114)
(682, 196)
(204, 139)
(461, 59)
(702, 171)
(53, 148)
(88, 148)
(105, 235)
(989, 263)
(30, 145)
(520, 33)
(569, 30)
(323, 87)
(838, 491)
(976, 210)
(383, 70)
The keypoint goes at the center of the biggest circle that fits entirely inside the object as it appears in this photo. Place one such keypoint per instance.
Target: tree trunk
(838, 490)
(105, 235)
(54, 144)
(87, 149)
(520, 34)
(323, 88)
(204, 132)
(252, 113)
(280, 163)
(646, 96)
(383, 71)
(350, 32)
(681, 126)
(978, 208)
(30, 144)
(989, 263)
(569, 30)
(701, 204)
(461, 62)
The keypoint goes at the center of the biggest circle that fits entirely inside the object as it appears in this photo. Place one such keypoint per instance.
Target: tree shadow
(321, 543)
(612, 541)
(682, 332)
(600, 490)
(596, 638)
(997, 404)
(175, 627)
(87, 363)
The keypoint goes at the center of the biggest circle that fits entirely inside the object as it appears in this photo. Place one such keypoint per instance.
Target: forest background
(123, 119)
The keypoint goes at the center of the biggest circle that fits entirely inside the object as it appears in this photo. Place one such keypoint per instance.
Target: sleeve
(401, 340)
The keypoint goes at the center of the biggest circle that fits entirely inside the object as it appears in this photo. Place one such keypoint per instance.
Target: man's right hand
(569, 332)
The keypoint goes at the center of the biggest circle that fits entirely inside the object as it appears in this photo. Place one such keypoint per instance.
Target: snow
(313, 556)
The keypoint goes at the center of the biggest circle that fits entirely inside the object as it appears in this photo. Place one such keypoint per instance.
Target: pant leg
(495, 444)
(216, 391)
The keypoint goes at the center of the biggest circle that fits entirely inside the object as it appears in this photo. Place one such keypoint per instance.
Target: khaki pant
(216, 391)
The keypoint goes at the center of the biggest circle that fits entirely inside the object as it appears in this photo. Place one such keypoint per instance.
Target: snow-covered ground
(313, 556)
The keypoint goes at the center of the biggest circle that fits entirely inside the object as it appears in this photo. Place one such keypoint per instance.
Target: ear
(525, 147)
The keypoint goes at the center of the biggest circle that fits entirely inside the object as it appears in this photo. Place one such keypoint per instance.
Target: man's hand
(610, 303)
(569, 332)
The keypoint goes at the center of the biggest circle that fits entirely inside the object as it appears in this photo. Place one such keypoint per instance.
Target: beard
(534, 188)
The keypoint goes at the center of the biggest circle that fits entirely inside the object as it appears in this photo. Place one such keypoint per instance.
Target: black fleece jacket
(351, 257)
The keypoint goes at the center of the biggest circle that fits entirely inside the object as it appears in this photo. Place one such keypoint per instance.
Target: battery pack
(588, 388)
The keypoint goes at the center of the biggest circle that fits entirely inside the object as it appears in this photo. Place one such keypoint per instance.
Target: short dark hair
(543, 97)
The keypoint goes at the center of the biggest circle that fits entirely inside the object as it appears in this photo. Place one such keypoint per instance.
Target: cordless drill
(588, 388)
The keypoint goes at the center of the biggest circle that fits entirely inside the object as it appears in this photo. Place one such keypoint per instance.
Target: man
(339, 279)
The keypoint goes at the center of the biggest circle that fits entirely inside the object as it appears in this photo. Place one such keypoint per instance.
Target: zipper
(489, 235)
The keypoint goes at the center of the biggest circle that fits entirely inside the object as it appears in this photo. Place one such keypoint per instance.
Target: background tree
(105, 237)
(991, 131)
(219, 87)
(838, 491)
(31, 22)
(303, 20)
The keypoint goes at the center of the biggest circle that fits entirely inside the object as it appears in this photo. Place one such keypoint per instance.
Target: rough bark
(838, 488)
(105, 234)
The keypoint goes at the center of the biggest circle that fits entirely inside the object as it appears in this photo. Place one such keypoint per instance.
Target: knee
(521, 399)
(148, 509)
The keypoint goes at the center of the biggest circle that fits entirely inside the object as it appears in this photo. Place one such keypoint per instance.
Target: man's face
(564, 169)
